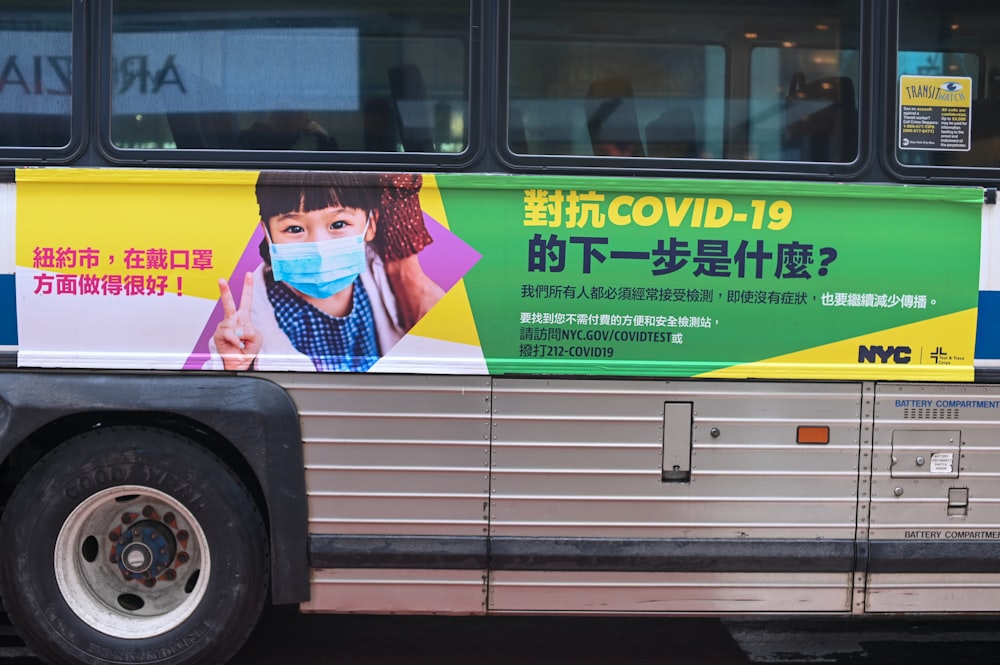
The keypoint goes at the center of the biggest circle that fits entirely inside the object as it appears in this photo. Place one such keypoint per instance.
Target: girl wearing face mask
(321, 300)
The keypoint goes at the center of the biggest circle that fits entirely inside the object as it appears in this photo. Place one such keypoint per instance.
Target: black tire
(97, 519)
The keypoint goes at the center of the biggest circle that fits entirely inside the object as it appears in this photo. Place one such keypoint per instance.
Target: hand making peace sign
(236, 337)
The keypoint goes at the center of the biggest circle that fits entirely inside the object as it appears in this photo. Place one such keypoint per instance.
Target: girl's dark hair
(280, 192)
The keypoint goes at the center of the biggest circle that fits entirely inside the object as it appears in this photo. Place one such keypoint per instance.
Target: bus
(482, 307)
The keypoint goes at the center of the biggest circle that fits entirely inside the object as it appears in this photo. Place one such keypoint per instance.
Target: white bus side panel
(671, 593)
(584, 458)
(933, 592)
(8, 326)
(395, 456)
(416, 591)
(7, 207)
(935, 511)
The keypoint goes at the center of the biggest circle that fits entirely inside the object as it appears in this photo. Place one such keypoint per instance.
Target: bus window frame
(888, 156)
(80, 93)
(693, 167)
(291, 158)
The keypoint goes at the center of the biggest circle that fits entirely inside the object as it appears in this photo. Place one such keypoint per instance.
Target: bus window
(771, 81)
(35, 73)
(948, 85)
(803, 104)
(291, 75)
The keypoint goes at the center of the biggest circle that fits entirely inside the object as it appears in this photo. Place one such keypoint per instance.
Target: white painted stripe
(7, 228)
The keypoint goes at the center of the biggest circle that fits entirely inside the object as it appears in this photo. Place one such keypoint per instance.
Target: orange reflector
(813, 434)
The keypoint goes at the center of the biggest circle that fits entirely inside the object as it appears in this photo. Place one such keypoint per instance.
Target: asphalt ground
(286, 637)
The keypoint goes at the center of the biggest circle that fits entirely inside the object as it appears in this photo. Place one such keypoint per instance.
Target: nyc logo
(898, 355)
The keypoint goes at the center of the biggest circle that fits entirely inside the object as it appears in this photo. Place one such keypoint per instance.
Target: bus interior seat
(821, 119)
(985, 137)
(673, 134)
(378, 125)
(985, 119)
(986, 131)
(517, 137)
(412, 112)
(203, 131)
(611, 118)
(34, 130)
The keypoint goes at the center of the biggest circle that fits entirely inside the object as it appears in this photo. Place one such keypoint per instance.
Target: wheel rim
(132, 562)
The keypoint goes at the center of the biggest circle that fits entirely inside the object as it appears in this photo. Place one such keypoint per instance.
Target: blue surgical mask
(319, 269)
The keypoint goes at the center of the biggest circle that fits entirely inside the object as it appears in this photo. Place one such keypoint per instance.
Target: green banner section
(664, 277)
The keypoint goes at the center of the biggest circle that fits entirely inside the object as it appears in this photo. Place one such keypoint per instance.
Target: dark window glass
(948, 84)
(772, 80)
(299, 75)
(36, 83)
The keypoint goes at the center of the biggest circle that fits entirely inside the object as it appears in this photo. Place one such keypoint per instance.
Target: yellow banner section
(451, 319)
(430, 201)
(84, 223)
(938, 349)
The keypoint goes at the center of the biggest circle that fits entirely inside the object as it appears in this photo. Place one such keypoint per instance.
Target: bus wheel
(130, 545)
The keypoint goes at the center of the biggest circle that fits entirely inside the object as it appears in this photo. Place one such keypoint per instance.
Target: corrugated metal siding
(583, 458)
(394, 454)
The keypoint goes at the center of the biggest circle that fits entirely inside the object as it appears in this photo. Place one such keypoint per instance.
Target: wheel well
(30, 450)
(250, 424)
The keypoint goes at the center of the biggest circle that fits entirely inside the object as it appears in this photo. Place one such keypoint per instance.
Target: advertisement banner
(506, 275)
